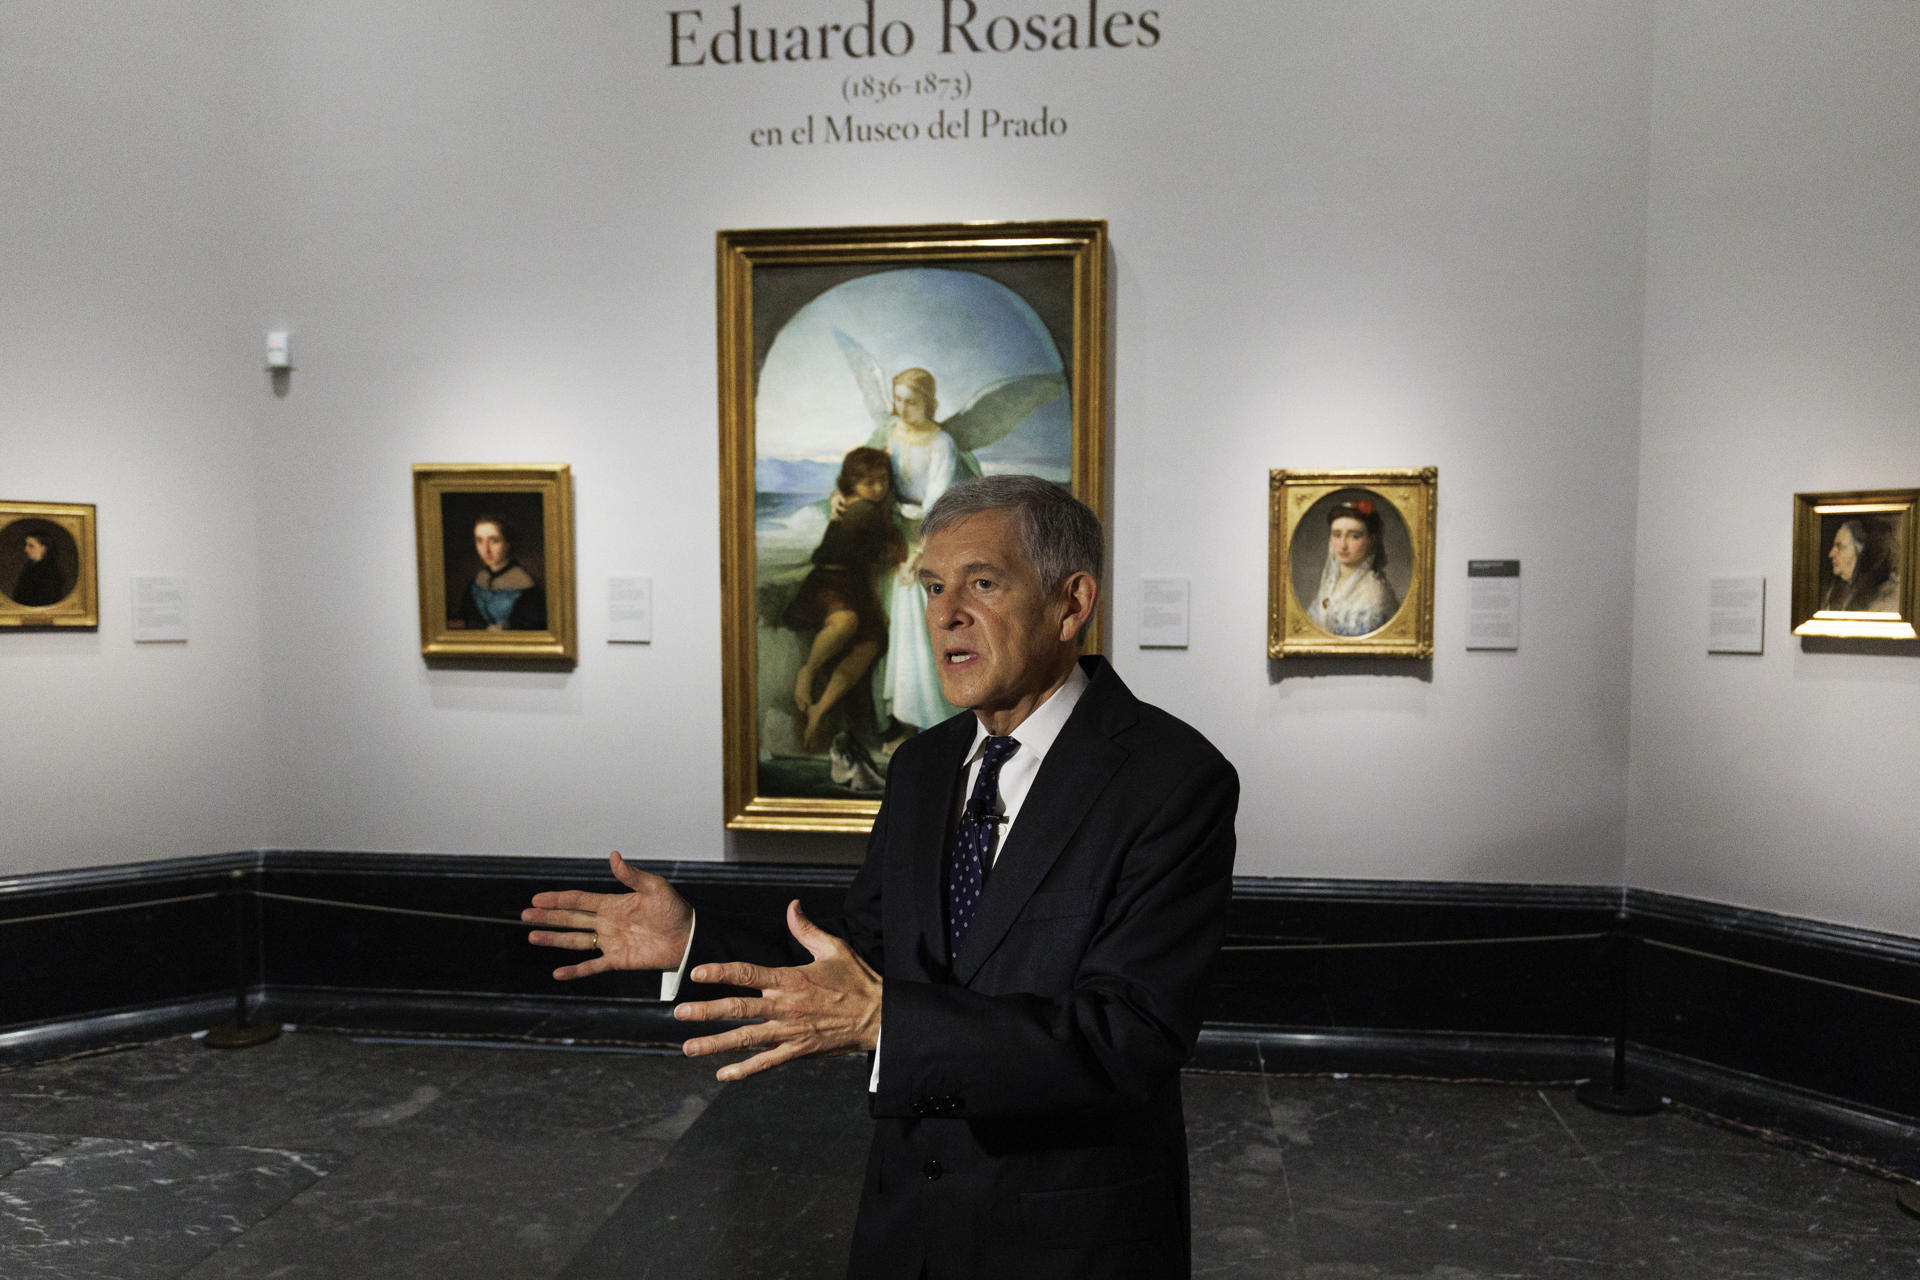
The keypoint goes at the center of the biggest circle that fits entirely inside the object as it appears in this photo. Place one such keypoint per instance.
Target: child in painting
(840, 599)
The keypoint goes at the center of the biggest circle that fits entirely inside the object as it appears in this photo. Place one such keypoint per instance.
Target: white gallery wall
(1783, 355)
(130, 378)
(1353, 234)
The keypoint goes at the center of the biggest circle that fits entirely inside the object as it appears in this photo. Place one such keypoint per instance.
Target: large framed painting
(864, 370)
(49, 570)
(1350, 563)
(1852, 563)
(495, 550)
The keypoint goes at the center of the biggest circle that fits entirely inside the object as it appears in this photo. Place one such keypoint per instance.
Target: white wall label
(1163, 613)
(159, 610)
(1736, 612)
(1493, 604)
(629, 610)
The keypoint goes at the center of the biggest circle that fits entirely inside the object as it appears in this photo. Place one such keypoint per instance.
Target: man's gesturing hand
(644, 929)
(829, 1006)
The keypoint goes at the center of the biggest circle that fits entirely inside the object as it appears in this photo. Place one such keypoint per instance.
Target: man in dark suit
(1044, 888)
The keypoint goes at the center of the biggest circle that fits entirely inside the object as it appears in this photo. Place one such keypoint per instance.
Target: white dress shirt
(1035, 735)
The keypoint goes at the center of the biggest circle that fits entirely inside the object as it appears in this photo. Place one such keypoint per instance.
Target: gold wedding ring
(596, 940)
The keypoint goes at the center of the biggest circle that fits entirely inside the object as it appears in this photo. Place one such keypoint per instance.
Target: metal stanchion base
(241, 1035)
(1910, 1199)
(1629, 1101)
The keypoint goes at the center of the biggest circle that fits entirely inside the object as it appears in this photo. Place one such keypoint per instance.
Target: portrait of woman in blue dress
(503, 595)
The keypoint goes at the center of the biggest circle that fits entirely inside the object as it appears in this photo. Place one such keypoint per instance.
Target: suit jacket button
(933, 1170)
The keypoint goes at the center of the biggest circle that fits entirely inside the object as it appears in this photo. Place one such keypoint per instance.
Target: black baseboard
(1783, 1024)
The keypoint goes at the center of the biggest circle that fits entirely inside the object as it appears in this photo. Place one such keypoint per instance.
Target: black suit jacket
(1028, 1118)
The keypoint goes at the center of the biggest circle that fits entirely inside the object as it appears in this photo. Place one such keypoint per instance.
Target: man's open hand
(644, 929)
(830, 1006)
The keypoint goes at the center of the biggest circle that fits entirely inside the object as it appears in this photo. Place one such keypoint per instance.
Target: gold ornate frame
(1412, 492)
(80, 607)
(1815, 517)
(1069, 257)
(552, 484)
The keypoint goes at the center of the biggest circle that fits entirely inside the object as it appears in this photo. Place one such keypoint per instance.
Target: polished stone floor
(321, 1155)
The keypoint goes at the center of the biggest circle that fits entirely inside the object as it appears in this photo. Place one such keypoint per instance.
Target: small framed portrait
(495, 548)
(1350, 563)
(864, 370)
(1852, 558)
(49, 573)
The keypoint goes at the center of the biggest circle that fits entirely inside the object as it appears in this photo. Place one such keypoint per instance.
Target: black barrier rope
(1784, 973)
(1248, 946)
(1422, 942)
(396, 911)
(116, 906)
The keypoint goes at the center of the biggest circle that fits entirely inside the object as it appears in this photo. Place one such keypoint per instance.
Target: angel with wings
(928, 455)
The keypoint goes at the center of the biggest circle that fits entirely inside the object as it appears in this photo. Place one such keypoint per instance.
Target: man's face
(491, 544)
(1000, 641)
(35, 548)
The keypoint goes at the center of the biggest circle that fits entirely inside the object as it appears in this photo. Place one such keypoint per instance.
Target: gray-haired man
(1044, 888)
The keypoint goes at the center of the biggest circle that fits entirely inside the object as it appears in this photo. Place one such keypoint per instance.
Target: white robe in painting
(1364, 603)
(910, 682)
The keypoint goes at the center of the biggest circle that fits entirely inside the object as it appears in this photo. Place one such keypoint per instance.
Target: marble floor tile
(18, 1150)
(451, 1159)
(1243, 1220)
(764, 1184)
(127, 1210)
(429, 1209)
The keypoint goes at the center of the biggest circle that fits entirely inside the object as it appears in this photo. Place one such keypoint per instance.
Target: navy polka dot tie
(973, 842)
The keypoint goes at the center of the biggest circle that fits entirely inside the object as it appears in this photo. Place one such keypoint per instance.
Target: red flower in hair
(1363, 505)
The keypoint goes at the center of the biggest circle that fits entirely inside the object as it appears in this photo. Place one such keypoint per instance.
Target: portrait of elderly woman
(1863, 557)
(503, 593)
(1351, 582)
(48, 563)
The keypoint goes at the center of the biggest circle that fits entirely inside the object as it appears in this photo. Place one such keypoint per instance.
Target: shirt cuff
(873, 1078)
(670, 978)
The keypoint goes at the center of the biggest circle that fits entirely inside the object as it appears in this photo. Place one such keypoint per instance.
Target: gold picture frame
(1321, 601)
(512, 598)
(1853, 557)
(982, 347)
(49, 565)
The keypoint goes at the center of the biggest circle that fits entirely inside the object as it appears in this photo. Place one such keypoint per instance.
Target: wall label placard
(1736, 615)
(1163, 613)
(159, 610)
(1493, 604)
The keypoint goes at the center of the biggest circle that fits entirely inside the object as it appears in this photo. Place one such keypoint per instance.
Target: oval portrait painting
(39, 563)
(1351, 562)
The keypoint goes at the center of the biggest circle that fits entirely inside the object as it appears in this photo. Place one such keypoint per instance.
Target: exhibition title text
(731, 37)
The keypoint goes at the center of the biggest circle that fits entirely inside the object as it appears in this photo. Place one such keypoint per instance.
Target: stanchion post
(240, 1033)
(1617, 1097)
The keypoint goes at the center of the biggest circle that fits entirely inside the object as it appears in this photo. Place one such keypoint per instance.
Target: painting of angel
(875, 387)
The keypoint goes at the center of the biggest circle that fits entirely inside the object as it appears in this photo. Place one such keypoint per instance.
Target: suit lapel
(1075, 773)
